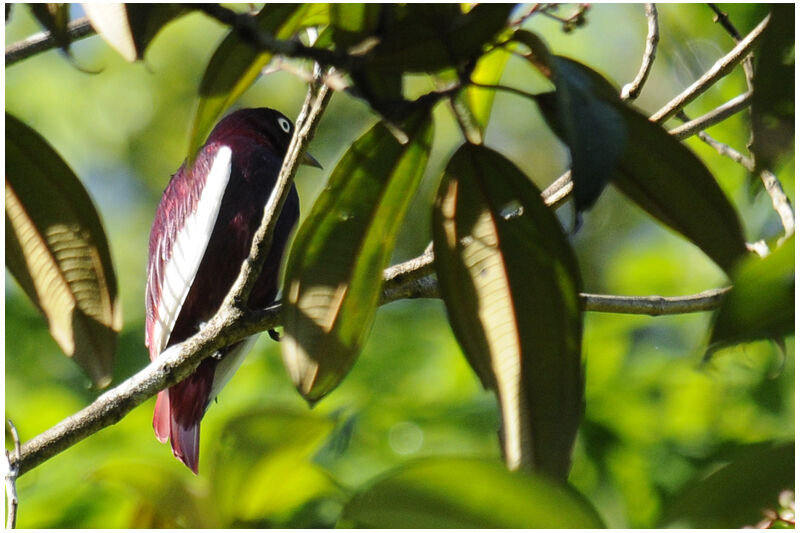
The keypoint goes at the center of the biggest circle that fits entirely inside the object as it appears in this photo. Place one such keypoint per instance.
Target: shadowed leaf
(510, 282)
(583, 118)
(761, 303)
(352, 22)
(236, 64)
(458, 493)
(334, 271)
(57, 250)
(736, 494)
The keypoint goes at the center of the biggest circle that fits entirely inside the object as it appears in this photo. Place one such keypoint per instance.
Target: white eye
(285, 124)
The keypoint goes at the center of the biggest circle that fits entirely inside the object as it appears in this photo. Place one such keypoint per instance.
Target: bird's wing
(181, 231)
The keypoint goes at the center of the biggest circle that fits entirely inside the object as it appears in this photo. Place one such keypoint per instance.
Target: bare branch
(44, 41)
(631, 90)
(780, 202)
(716, 116)
(721, 68)
(11, 474)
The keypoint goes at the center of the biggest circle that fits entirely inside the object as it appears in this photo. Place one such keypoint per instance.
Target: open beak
(309, 160)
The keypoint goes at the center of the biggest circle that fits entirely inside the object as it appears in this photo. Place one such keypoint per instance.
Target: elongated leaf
(458, 493)
(235, 65)
(737, 494)
(655, 170)
(587, 123)
(761, 303)
(511, 285)
(129, 28)
(668, 181)
(773, 88)
(334, 271)
(57, 250)
(488, 71)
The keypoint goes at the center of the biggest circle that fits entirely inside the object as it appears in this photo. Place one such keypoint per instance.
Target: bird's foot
(274, 335)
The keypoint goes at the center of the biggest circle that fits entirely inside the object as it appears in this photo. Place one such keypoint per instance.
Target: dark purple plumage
(185, 285)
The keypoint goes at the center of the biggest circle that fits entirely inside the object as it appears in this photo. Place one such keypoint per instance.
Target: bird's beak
(309, 160)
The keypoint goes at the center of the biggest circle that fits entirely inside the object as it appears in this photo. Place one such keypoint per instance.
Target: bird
(201, 234)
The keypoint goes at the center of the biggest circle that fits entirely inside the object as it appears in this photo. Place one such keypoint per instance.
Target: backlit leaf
(458, 493)
(510, 282)
(129, 28)
(761, 303)
(236, 64)
(334, 271)
(352, 22)
(488, 71)
(57, 250)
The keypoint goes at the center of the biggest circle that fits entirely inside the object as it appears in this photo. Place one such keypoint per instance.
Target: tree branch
(716, 116)
(631, 90)
(721, 68)
(43, 41)
(11, 473)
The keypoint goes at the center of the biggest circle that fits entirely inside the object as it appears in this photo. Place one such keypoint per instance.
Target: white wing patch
(189, 248)
(229, 364)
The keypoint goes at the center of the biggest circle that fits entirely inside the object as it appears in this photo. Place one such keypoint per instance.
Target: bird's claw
(274, 335)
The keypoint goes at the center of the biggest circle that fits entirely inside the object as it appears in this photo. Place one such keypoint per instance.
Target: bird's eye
(285, 124)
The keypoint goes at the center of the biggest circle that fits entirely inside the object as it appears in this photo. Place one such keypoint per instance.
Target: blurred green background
(656, 419)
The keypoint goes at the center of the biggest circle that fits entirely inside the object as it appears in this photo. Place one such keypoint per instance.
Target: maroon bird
(200, 237)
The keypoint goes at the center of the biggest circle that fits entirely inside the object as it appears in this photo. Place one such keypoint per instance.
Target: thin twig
(43, 41)
(11, 474)
(721, 68)
(316, 101)
(631, 90)
(780, 202)
(716, 116)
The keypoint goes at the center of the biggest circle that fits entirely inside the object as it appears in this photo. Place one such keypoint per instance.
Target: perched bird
(200, 237)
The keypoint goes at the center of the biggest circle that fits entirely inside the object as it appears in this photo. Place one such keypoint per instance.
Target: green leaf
(511, 286)
(235, 65)
(263, 463)
(488, 71)
(670, 182)
(761, 303)
(773, 88)
(736, 494)
(661, 175)
(583, 118)
(57, 250)
(129, 28)
(334, 271)
(352, 22)
(54, 18)
(460, 493)
(429, 38)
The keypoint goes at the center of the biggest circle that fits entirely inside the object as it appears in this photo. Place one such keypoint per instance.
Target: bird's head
(263, 124)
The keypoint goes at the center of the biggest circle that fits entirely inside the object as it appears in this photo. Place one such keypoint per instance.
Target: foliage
(608, 419)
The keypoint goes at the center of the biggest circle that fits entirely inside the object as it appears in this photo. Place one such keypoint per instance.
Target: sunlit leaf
(352, 22)
(165, 499)
(57, 250)
(510, 282)
(54, 18)
(488, 71)
(129, 28)
(334, 271)
(737, 494)
(586, 121)
(761, 303)
(236, 64)
(773, 88)
(457, 493)
(263, 466)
